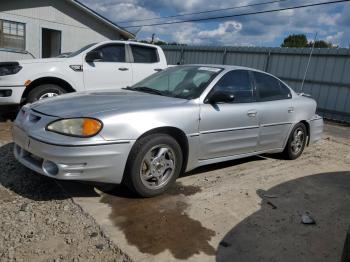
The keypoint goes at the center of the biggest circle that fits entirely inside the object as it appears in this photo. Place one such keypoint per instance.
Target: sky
(331, 22)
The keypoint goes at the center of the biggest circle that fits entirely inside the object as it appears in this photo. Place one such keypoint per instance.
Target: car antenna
(308, 64)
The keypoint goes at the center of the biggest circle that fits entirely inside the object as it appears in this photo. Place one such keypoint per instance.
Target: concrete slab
(244, 210)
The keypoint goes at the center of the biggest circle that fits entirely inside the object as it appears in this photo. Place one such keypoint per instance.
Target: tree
(300, 41)
(295, 41)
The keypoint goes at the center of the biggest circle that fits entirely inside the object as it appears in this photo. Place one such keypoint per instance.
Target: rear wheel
(44, 91)
(296, 142)
(153, 165)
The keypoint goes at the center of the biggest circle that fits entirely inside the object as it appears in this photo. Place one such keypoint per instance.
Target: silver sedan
(169, 123)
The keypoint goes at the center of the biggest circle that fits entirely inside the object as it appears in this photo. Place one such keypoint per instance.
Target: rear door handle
(252, 113)
(123, 69)
(290, 109)
(158, 69)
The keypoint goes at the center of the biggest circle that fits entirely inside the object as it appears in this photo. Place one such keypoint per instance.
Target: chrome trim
(277, 124)
(228, 129)
(80, 145)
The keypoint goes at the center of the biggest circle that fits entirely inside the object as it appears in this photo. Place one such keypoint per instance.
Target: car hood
(91, 103)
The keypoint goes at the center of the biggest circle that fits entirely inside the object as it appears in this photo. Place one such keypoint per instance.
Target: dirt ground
(38, 222)
(243, 210)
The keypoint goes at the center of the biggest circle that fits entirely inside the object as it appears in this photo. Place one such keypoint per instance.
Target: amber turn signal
(91, 127)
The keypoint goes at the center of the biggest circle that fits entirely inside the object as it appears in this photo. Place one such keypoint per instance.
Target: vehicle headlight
(80, 127)
(9, 68)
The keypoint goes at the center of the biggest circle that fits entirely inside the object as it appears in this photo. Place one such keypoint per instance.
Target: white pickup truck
(105, 65)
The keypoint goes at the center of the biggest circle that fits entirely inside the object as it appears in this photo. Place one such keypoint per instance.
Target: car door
(275, 111)
(228, 129)
(111, 72)
(145, 61)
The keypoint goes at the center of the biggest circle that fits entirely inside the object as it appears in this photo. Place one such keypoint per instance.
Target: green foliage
(300, 41)
(295, 41)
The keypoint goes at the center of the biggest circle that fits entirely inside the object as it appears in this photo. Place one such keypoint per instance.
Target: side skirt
(228, 158)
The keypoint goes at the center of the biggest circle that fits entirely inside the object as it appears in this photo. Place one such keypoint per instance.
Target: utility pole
(152, 41)
(308, 63)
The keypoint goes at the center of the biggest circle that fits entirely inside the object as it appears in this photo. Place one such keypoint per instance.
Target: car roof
(126, 42)
(227, 67)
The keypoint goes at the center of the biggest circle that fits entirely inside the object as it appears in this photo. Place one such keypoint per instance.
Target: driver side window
(237, 83)
(112, 53)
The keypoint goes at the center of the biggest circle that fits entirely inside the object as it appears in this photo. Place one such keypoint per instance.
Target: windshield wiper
(145, 89)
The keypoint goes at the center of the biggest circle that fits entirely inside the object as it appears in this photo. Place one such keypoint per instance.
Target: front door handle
(290, 109)
(123, 69)
(252, 113)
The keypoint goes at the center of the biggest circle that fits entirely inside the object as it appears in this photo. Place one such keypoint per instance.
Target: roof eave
(122, 31)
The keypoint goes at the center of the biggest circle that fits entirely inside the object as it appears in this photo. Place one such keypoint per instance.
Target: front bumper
(99, 163)
(10, 95)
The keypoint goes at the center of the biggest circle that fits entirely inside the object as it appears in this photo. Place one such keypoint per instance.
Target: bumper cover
(14, 98)
(100, 163)
(316, 128)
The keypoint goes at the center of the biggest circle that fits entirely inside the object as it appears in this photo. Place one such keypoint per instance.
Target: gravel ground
(38, 222)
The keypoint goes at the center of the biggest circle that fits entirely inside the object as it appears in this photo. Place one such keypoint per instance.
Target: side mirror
(93, 56)
(221, 97)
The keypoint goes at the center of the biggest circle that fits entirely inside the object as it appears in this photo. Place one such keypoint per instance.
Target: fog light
(5, 93)
(50, 168)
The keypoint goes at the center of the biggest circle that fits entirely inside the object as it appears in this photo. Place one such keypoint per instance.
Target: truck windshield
(80, 50)
(187, 82)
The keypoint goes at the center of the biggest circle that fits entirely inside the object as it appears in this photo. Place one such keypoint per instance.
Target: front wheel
(296, 142)
(153, 165)
(44, 91)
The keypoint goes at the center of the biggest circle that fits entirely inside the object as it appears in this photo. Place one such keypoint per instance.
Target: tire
(144, 170)
(295, 146)
(39, 92)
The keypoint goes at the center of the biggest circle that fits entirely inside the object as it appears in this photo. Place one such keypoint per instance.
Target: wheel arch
(175, 133)
(307, 125)
(48, 80)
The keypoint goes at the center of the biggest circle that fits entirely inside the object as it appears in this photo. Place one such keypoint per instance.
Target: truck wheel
(296, 142)
(153, 165)
(44, 91)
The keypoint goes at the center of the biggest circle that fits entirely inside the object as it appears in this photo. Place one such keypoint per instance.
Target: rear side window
(144, 54)
(237, 82)
(112, 53)
(270, 88)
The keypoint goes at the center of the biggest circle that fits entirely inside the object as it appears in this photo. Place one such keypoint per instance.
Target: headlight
(9, 68)
(80, 127)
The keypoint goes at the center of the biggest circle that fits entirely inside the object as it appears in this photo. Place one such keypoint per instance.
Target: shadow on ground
(29, 184)
(161, 223)
(8, 113)
(278, 234)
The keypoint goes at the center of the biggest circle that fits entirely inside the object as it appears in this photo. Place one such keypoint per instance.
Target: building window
(12, 35)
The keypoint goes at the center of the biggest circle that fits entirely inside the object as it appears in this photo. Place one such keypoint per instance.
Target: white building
(47, 28)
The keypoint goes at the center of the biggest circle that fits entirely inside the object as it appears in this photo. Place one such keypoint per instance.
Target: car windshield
(80, 50)
(187, 82)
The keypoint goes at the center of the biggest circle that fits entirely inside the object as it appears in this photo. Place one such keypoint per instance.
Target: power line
(202, 12)
(239, 15)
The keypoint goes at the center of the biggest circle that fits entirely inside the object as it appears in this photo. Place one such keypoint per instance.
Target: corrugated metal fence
(327, 80)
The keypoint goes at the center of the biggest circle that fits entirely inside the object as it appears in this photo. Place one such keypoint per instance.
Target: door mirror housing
(93, 56)
(221, 97)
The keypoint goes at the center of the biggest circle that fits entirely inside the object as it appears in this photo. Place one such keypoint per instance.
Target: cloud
(228, 27)
(332, 22)
(336, 38)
